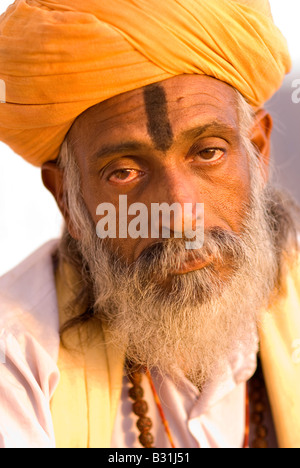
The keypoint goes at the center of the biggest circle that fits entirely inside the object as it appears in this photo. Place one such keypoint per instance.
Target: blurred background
(29, 216)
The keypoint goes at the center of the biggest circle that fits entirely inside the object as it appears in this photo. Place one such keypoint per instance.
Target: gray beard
(195, 323)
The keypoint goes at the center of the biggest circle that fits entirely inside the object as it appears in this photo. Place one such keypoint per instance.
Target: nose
(179, 211)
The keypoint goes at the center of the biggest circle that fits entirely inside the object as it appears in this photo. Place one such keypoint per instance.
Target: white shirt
(29, 344)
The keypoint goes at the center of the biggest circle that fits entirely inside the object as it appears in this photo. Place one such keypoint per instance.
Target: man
(160, 104)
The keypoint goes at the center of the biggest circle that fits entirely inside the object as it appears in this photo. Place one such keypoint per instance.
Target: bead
(136, 392)
(261, 431)
(144, 424)
(255, 396)
(135, 378)
(259, 407)
(256, 418)
(259, 443)
(140, 407)
(146, 439)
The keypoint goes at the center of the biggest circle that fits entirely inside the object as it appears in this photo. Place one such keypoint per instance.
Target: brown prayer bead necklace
(258, 409)
(144, 423)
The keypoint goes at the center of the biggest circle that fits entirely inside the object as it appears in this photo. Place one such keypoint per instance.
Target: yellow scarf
(85, 403)
(280, 354)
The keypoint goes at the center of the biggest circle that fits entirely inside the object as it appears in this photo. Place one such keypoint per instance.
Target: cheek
(92, 198)
(237, 192)
(127, 248)
(230, 197)
(238, 199)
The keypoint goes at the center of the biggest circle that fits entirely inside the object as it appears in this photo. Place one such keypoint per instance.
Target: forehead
(185, 101)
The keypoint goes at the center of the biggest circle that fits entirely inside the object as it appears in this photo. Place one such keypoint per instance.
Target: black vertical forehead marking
(158, 125)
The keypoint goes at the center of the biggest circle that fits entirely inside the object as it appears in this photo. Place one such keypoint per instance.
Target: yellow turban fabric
(60, 57)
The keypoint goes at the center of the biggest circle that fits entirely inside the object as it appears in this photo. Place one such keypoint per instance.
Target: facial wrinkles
(158, 125)
(196, 324)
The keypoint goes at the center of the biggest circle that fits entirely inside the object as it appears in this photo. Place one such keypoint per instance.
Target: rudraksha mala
(140, 408)
(258, 408)
(255, 393)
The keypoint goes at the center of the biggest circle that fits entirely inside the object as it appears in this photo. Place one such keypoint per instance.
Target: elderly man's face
(176, 141)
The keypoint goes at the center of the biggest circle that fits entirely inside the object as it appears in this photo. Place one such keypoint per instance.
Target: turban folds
(60, 57)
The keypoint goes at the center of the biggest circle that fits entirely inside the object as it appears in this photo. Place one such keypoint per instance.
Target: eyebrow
(220, 129)
(124, 147)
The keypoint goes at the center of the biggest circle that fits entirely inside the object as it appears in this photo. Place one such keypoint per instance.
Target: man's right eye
(124, 176)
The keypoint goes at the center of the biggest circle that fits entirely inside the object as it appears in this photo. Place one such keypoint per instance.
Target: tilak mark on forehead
(158, 126)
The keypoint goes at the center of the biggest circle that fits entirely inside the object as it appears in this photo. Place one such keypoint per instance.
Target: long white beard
(199, 320)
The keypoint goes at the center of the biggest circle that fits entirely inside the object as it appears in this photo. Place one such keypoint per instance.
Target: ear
(261, 139)
(53, 180)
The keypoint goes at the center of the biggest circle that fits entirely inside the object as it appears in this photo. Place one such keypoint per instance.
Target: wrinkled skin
(175, 141)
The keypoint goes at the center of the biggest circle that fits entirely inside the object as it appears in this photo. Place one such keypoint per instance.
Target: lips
(192, 264)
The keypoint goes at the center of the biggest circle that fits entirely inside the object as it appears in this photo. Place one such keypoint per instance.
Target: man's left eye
(124, 176)
(211, 154)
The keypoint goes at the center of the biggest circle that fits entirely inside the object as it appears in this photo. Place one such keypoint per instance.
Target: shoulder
(29, 344)
(28, 301)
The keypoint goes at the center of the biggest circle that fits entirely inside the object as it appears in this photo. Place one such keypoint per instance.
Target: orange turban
(60, 57)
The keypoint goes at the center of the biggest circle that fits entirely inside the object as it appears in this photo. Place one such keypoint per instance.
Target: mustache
(169, 254)
(152, 274)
